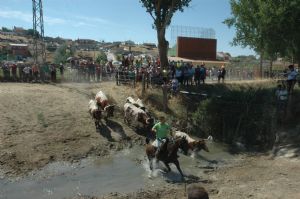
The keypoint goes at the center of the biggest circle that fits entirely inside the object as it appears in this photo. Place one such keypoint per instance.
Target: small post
(143, 85)
(101, 72)
(165, 96)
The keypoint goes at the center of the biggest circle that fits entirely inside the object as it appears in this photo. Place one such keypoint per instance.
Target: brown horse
(168, 153)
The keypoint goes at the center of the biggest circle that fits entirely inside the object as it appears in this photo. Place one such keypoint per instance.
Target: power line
(39, 52)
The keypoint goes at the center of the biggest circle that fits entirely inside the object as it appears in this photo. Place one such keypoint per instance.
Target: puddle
(124, 172)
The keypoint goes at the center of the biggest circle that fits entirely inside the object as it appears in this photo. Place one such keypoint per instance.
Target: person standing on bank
(61, 70)
(291, 78)
(221, 74)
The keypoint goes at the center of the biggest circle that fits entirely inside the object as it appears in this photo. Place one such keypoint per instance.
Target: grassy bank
(233, 113)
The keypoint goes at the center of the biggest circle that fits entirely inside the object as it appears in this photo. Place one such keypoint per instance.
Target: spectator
(21, 72)
(14, 72)
(178, 75)
(282, 98)
(185, 76)
(202, 73)
(221, 74)
(6, 72)
(98, 72)
(30, 74)
(191, 71)
(61, 70)
(197, 75)
(291, 78)
(46, 71)
(53, 72)
(26, 71)
(90, 71)
(35, 72)
(174, 86)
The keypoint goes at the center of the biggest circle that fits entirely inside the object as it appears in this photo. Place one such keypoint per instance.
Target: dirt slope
(44, 123)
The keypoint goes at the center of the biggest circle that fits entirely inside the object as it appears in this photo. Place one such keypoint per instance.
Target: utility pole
(39, 51)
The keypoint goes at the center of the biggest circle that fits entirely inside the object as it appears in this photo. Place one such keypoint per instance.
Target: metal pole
(38, 32)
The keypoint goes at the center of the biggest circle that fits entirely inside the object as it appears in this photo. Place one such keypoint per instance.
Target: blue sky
(118, 20)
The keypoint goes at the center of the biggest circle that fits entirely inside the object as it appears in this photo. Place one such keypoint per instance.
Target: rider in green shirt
(162, 131)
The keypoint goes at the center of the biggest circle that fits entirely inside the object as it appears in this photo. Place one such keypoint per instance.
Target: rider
(162, 130)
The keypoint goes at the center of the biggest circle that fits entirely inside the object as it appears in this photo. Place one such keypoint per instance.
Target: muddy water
(124, 172)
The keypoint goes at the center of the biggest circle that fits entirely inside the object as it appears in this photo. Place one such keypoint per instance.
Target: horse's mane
(175, 144)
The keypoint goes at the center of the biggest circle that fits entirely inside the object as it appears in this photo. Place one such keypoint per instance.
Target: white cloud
(27, 17)
(12, 14)
(54, 21)
(93, 19)
(81, 24)
(76, 21)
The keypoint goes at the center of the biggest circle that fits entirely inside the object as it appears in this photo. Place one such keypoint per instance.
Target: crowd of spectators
(81, 70)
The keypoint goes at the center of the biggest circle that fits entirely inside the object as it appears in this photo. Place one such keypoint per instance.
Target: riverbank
(45, 124)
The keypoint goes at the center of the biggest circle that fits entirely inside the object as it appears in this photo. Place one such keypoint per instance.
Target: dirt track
(47, 123)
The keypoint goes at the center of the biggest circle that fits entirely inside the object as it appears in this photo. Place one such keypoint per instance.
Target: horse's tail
(147, 140)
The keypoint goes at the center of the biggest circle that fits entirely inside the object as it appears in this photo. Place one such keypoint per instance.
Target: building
(197, 48)
(19, 30)
(86, 44)
(223, 56)
(149, 45)
(19, 50)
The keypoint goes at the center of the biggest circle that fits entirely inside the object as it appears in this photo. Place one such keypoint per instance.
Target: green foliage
(30, 32)
(162, 11)
(270, 27)
(119, 57)
(63, 53)
(4, 29)
(101, 58)
(245, 115)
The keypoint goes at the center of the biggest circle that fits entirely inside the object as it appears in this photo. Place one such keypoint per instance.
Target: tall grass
(245, 114)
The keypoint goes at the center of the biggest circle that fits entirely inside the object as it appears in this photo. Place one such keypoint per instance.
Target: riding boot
(157, 152)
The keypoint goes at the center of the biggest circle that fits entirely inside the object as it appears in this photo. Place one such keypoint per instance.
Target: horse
(168, 153)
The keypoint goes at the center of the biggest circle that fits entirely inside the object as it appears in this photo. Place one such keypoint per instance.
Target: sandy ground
(46, 123)
(40, 124)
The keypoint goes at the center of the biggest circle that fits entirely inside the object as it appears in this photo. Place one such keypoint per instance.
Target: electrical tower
(39, 51)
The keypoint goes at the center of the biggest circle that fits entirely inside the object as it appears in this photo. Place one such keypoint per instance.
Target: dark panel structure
(197, 48)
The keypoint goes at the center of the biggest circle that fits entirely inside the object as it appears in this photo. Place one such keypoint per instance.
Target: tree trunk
(271, 69)
(261, 65)
(165, 97)
(162, 48)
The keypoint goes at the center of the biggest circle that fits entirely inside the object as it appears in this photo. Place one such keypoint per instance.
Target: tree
(4, 29)
(101, 58)
(248, 25)
(162, 12)
(30, 32)
(270, 27)
(63, 53)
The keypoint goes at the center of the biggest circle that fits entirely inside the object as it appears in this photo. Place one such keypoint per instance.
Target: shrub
(246, 115)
